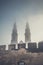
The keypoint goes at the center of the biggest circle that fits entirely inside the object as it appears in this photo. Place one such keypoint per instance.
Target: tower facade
(14, 35)
(27, 33)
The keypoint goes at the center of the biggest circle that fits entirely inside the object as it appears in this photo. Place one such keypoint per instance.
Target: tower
(14, 34)
(27, 33)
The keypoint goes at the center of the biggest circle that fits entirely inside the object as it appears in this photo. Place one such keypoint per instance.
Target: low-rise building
(23, 45)
(40, 46)
(12, 47)
(2, 47)
(32, 46)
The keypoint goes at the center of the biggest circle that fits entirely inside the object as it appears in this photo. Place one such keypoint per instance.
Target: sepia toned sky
(21, 11)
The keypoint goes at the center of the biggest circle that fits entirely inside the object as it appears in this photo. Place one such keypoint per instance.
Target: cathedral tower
(27, 33)
(14, 34)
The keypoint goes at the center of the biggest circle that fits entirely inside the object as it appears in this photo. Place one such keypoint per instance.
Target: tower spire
(27, 33)
(14, 34)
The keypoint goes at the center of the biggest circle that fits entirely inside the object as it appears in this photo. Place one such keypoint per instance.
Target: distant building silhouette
(32, 46)
(27, 33)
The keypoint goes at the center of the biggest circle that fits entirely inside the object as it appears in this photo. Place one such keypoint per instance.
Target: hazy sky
(21, 11)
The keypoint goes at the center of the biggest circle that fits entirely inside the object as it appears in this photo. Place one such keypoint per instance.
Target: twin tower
(14, 38)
